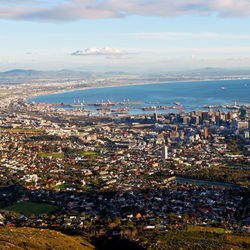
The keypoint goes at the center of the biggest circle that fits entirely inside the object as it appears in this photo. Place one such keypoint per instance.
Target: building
(204, 116)
(243, 114)
(206, 133)
(155, 116)
(165, 152)
(242, 125)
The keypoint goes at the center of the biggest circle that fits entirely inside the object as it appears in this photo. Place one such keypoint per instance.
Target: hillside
(32, 238)
(194, 238)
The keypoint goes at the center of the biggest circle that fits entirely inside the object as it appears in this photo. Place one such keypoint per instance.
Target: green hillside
(28, 208)
(32, 238)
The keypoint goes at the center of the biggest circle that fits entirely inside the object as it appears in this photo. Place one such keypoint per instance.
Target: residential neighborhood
(161, 169)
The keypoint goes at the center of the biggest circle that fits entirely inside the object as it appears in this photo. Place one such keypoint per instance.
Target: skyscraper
(206, 133)
(243, 114)
(165, 152)
(155, 116)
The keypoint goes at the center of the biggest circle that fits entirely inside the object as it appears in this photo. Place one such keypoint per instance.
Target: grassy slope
(32, 238)
(53, 155)
(194, 240)
(27, 208)
(206, 229)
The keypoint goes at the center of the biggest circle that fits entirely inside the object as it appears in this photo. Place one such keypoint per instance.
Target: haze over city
(132, 36)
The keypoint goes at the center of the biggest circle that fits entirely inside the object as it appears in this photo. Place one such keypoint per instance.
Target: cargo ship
(148, 108)
(120, 110)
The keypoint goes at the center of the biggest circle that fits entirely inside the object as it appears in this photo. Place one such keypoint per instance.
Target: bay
(189, 95)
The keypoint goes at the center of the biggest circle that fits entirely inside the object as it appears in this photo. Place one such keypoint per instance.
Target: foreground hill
(194, 239)
(32, 238)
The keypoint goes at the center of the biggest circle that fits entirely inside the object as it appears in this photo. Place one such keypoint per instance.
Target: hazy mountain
(219, 71)
(22, 73)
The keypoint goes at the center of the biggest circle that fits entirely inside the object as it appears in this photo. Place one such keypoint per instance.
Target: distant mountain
(16, 75)
(21, 72)
(219, 71)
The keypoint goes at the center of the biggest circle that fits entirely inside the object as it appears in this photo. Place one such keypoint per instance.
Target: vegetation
(28, 208)
(62, 186)
(193, 240)
(217, 230)
(220, 173)
(53, 155)
(20, 130)
(89, 153)
(235, 144)
(31, 238)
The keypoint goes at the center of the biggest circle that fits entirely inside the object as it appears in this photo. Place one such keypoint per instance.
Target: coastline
(131, 84)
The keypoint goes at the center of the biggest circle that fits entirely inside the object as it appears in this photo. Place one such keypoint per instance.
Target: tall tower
(165, 152)
(243, 114)
(155, 116)
(210, 112)
(206, 133)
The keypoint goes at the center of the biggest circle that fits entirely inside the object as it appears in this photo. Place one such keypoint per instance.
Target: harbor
(150, 98)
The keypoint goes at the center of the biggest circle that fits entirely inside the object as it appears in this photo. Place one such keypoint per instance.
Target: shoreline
(127, 85)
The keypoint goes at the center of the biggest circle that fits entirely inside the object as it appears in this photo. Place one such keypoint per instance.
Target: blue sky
(124, 35)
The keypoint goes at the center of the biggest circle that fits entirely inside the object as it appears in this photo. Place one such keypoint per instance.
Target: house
(1, 219)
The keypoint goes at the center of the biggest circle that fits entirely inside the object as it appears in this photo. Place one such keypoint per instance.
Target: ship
(149, 108)
(76, 105)
(120, 110)
(134, 103)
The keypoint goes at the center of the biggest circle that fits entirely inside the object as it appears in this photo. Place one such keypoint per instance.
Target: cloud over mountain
(98, 52)
(66, 10)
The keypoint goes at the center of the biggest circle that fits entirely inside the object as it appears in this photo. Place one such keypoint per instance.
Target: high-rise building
(207, 123)
(246, 134)
(243, 114)
(185, 119)
(198, 112)
(165, 152)
(217, 120)
(155, 116)
(242, 125)
(206, 133)
(229, 116)
(204, 116)
(210, 112)
(195, 119)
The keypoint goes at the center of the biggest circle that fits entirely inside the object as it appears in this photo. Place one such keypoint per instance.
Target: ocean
(188, 95)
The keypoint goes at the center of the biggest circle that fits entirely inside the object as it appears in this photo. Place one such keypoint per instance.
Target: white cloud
(98, 9)
(99, 52)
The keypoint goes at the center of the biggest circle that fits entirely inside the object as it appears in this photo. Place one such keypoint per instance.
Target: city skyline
(132, 36)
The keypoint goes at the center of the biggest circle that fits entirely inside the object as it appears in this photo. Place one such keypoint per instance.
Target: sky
(124, 35)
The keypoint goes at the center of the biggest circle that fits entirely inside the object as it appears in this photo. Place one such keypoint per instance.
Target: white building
(242, 125)
(165, 152)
